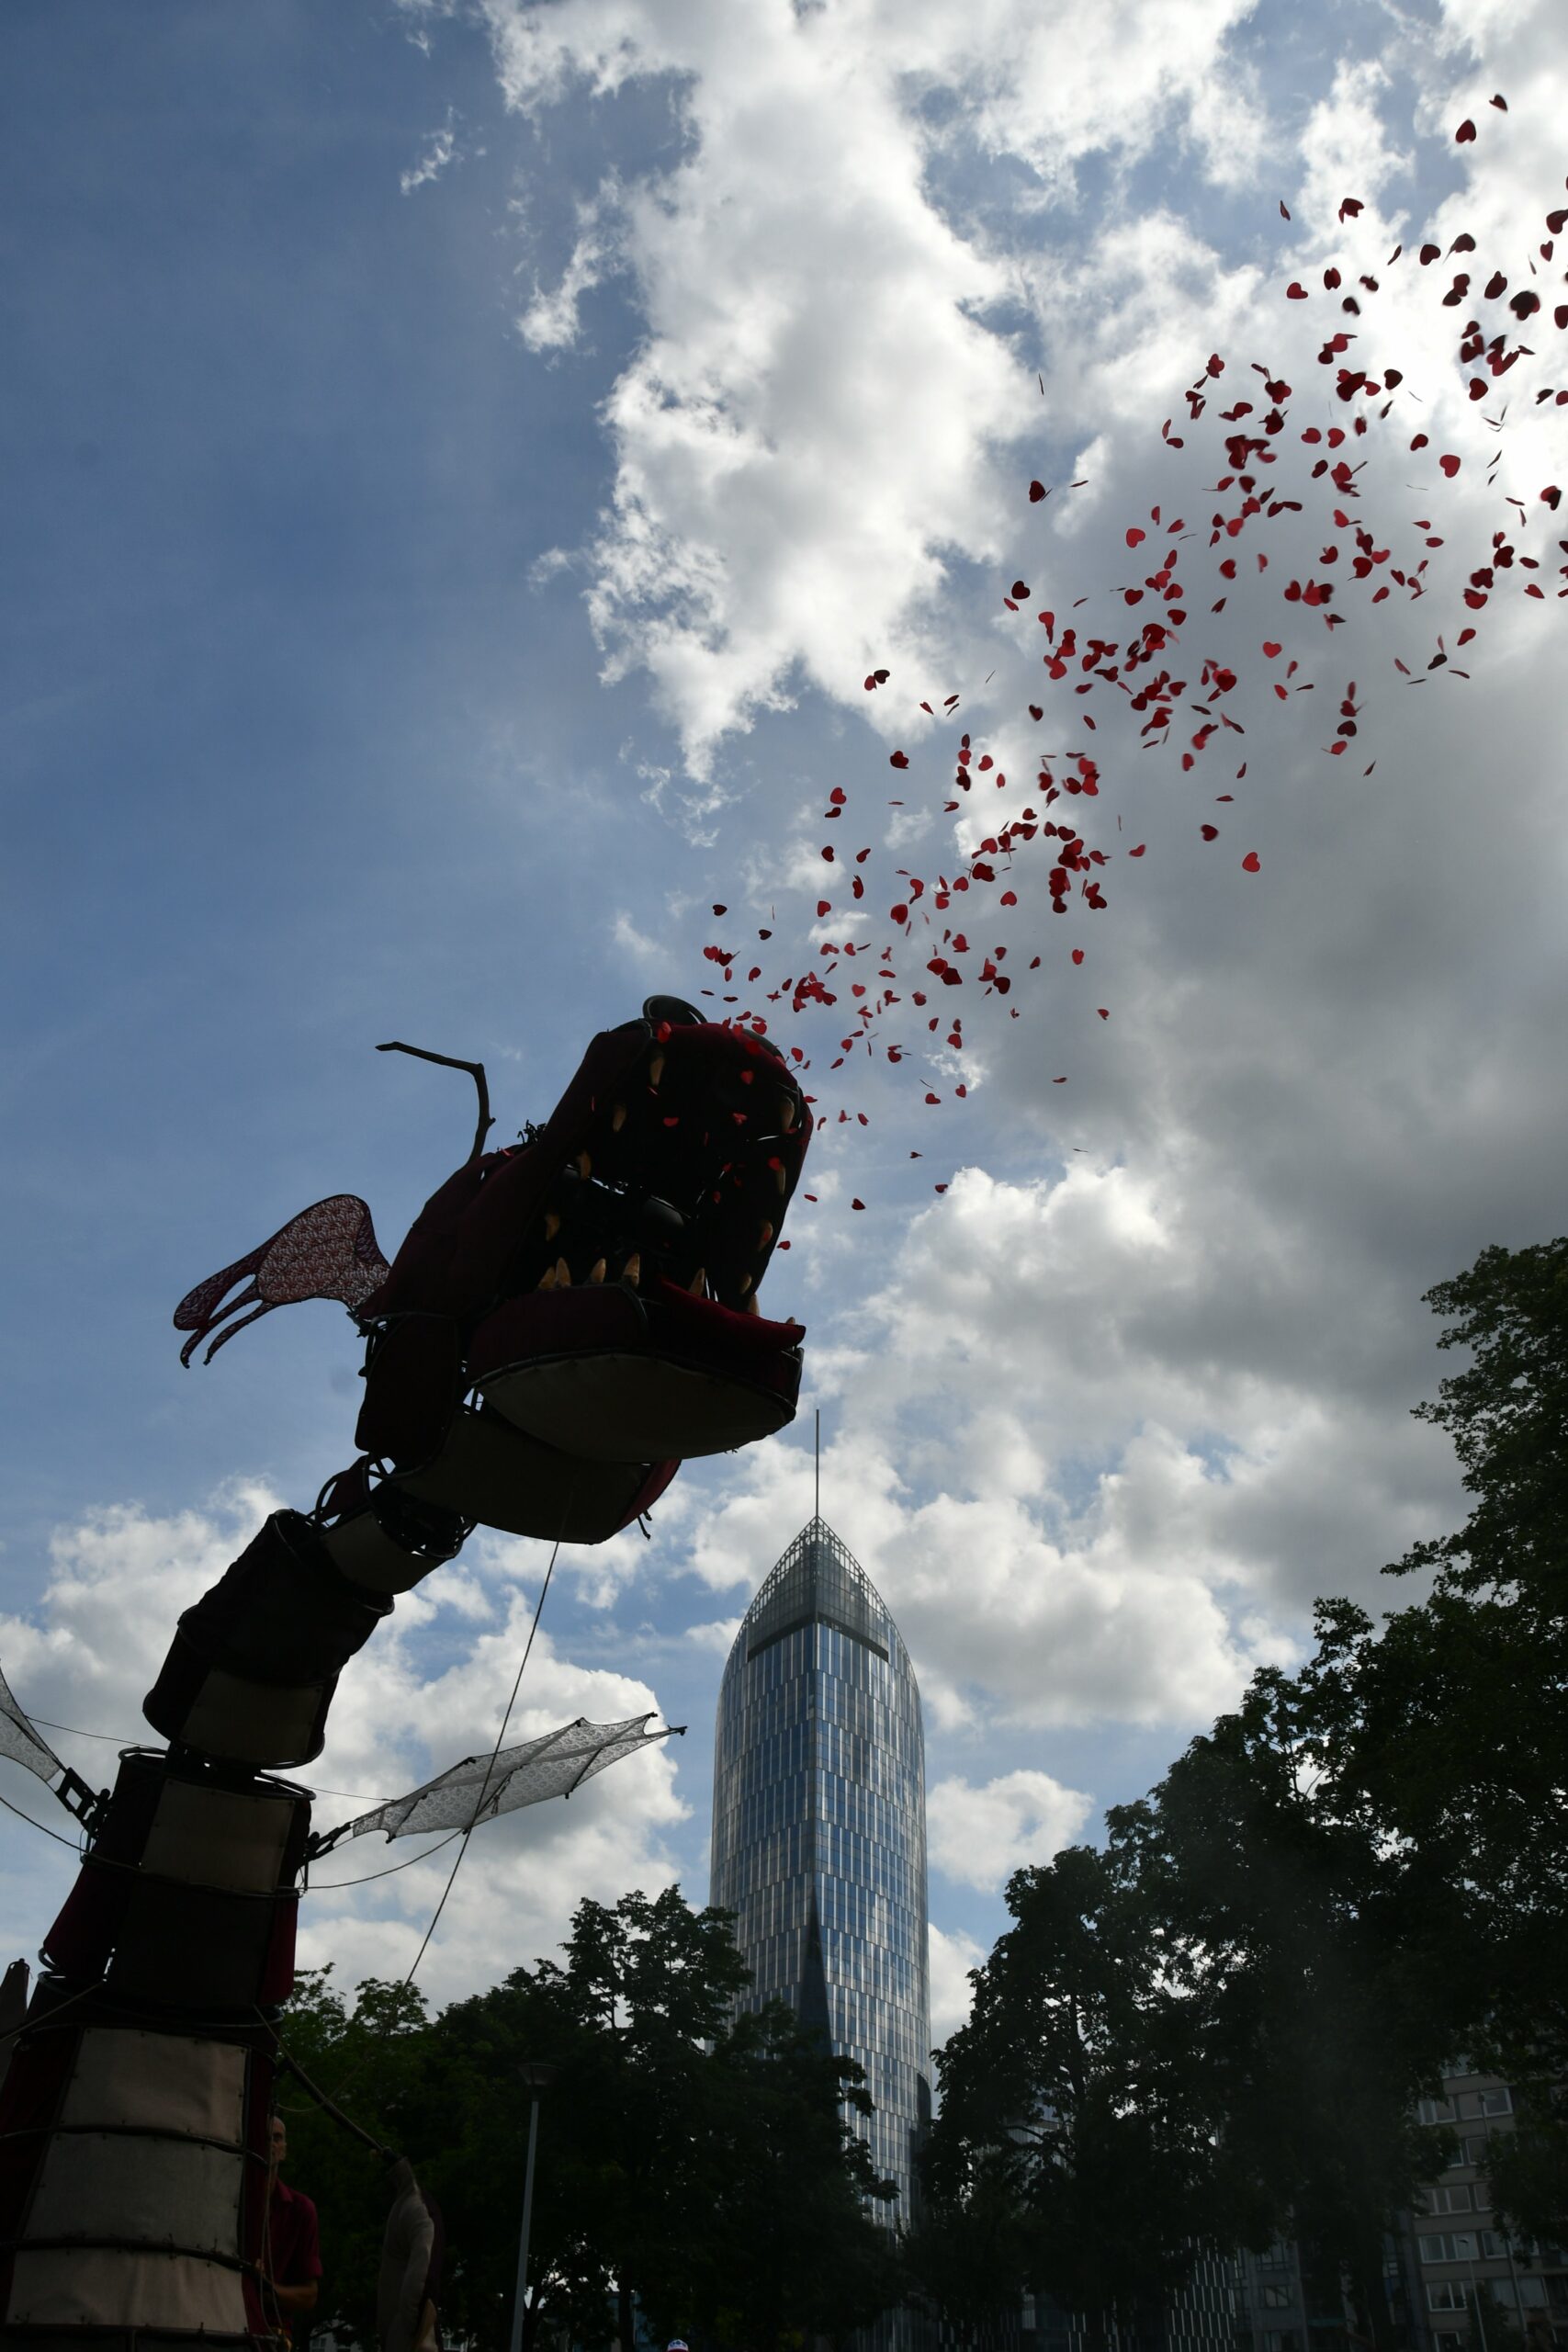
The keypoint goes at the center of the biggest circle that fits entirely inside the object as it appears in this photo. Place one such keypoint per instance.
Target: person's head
(278, 2141)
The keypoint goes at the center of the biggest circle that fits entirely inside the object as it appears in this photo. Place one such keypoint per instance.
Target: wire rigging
(48, 1832)
(332, 1885)
(123, 1739)
(495, 1751)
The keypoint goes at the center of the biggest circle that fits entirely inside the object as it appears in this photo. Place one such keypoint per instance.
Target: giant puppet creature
(566, 1319)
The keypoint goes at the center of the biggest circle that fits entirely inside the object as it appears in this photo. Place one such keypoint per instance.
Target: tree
(1065, 2094)
(1287, 1917)
(370, 2059)
(1225, 2021)
(702, 2166)
(1458, 1734)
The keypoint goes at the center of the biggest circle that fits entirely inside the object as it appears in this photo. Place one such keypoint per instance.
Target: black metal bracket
(87, 1804)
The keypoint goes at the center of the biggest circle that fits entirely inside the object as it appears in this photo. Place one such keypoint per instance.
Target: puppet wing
(20, 1741)
(482, 1787)
(327, 1251)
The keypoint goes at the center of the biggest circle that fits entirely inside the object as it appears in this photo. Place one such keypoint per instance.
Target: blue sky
(462, 460)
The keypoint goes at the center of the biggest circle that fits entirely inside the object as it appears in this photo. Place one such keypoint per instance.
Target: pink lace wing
(327, 1251)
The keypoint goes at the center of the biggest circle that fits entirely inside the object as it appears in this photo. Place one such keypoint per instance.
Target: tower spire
(816, 1506)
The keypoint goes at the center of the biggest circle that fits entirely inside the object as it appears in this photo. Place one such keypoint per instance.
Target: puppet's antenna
(476, 1071)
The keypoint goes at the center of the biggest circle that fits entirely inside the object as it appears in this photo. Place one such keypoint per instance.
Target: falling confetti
(1281, 455)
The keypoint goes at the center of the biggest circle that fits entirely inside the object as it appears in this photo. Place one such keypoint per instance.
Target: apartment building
(1480, 2290)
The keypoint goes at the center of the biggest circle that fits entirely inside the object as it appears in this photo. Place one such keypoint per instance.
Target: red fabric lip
(600, 1316)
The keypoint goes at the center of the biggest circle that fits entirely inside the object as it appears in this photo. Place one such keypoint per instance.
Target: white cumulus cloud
(978, 1836)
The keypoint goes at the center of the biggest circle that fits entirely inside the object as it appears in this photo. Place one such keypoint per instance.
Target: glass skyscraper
(819, 1828)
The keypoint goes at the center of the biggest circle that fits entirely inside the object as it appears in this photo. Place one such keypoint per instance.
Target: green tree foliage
(1456, 1725)
(1065, 2092)
(704, 2166)
(1286, 1921)
(1233, 2011)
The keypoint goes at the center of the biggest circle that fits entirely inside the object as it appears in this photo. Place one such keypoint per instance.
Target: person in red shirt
(292, 2259)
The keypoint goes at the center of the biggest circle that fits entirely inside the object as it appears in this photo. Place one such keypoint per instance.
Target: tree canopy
(1218, 2029)
(700, 2160)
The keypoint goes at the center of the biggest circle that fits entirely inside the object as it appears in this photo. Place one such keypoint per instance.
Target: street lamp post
(537, 2077)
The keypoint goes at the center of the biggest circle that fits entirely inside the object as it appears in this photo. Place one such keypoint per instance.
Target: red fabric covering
(496, 1473)
(698, 1332)
(29, 2099)
(618, 1375)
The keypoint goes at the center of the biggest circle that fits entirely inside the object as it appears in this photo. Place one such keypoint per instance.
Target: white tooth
(584, 1165)
(547, 1280)
(786, 1113)
(753, 1304)
(617, 1118)
(698, 1283)
(745, 1285)
(552, 1225)
(656, 1069)
(563, 1274)
(632, 1271)
(781, 1180)
(764, 1234)
(597, 1272)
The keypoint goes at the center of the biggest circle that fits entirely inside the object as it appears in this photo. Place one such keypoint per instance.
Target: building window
(1459, 2199)
(1277, 2256)
(1499, 2100)
(1281, 2339)
(1446, 2341)
(1435, 2111)
(1275, 2297)
(1458, 2247)
(1445, 2295)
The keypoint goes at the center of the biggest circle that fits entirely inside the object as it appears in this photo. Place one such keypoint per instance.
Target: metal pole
(520, 2305)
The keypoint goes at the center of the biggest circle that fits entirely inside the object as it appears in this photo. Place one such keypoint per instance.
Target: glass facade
(819, 1828)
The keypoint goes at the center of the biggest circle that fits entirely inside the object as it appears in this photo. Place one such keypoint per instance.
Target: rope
(117, 1739)
(328, 2105)
(47, 2017)
(495, 1751)
(48, 1832)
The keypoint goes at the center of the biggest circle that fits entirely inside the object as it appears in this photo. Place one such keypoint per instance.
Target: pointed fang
(698, 1285)
(632, 1271)
(617, 1118)
(563, 1274)
(596, 1272)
